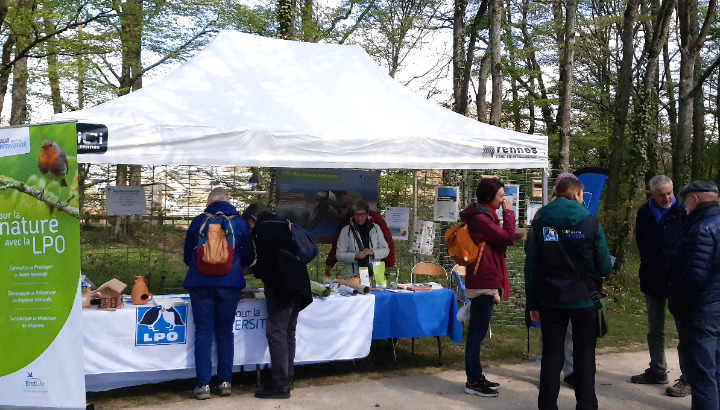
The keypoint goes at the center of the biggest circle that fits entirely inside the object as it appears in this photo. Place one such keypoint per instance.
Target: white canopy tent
(254, 101)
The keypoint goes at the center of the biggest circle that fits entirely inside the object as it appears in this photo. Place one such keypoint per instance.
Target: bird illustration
(52, 162)
(151, 317)
(172, 317)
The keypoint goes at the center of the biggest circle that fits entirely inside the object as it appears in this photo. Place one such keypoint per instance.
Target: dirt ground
(444, 390)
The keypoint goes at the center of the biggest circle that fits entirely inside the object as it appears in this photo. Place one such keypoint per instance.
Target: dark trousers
(700, 347)
(480, 312)
(554, 326)
(282, 314)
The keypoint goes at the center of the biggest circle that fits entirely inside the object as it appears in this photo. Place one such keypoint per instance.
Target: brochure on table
(40, 329)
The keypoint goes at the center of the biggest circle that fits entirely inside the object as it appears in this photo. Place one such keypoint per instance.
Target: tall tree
(692, 38)
(496, 14)
(464, 51)
(566, 78)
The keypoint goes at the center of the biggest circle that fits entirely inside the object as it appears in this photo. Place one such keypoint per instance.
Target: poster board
(40, 329)
(512, 192)
(316, 198)
(424, 237)
(446, 203)
(398, 222)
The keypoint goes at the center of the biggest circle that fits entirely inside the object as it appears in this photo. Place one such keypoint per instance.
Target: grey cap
(698, 186)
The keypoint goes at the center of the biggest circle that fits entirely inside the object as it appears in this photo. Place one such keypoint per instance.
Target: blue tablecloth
(416, 314)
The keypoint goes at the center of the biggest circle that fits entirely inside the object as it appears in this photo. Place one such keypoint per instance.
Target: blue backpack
(216, 245)
(306, 248)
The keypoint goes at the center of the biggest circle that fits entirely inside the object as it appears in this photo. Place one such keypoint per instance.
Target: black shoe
(488, 382)
(273, 394)
(480, 389)
(650, 377)
(570, 380)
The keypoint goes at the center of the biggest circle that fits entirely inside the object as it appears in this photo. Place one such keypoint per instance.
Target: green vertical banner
(40, 332)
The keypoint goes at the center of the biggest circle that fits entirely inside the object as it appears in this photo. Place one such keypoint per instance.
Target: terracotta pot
(140, 294)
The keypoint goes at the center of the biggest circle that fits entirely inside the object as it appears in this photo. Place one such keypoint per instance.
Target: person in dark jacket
(694, 294)
(658, 229)
(287, 292)
(214, 299)
(566, 259)
(486, 282)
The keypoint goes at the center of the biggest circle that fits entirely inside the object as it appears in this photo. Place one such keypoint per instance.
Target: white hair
(659, 181)
(218, 194)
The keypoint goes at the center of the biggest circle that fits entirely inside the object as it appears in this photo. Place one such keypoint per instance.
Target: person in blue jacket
(214, 299)
(566, 259)
(694, 293)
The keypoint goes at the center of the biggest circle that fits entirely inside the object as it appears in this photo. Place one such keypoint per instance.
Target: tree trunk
(53, 70)
(566, 76)
(308, 22)
(286, 19)
(671, 105)
(481, 96)
(496, 11)
(517, 120)
(463, 58)
(622, 103)
(18, 108)
(698, 137)
(121, 179)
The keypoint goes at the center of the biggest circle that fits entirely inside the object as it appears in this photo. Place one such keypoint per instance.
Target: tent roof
(255, 101)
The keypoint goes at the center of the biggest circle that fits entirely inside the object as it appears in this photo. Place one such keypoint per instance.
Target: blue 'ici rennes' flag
(594, 180)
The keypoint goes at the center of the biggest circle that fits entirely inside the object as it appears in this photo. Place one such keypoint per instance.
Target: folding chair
(458, 272)
(428, 269)
(434, 270)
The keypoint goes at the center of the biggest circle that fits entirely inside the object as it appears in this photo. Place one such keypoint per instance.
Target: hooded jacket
(566, 257)
(484, 225)
(695, 279)
(277, 266)
(244, 252)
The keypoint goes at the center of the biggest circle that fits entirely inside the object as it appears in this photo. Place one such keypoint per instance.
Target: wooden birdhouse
(111, 294)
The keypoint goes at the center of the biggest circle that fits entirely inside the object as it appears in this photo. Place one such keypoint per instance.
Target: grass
(508, 344)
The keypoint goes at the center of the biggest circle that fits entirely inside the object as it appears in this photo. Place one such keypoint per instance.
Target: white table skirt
(332, 328)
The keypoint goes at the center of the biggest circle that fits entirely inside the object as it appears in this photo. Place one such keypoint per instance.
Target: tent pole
(415, 216)
(545, 174)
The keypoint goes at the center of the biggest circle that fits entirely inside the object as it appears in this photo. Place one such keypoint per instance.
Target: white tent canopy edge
(253, 101)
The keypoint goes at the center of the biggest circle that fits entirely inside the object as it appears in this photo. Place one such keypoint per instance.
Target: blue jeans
(480, 311)
(214, 314)
(584, 335)
(700, 346)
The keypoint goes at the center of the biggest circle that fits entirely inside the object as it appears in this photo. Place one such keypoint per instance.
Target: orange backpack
(461, 247)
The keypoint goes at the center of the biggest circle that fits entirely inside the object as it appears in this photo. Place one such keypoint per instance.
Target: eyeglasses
(360, 214)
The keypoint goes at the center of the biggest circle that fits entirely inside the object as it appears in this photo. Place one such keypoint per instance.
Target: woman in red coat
(487, 283)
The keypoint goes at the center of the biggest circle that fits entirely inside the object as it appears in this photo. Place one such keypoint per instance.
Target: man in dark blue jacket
(694, 295)
(214, 298)
(658, 229)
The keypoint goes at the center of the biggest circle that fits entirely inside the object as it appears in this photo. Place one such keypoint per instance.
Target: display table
(150, 344)
(416, 314)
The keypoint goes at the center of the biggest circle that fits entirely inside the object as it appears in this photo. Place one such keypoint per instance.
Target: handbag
(600, 300)
(463, 313)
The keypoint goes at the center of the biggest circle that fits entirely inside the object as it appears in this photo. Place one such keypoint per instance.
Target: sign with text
(40, 269)
(125, 200)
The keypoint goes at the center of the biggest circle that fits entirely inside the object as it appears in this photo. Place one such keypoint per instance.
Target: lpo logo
(161, 326)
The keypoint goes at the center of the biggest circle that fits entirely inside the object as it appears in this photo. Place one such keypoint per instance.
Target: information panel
(40, 268)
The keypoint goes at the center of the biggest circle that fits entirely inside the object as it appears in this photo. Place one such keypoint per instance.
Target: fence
(151, 245)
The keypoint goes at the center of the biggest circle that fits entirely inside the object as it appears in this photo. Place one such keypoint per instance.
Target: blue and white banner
(159, 325)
